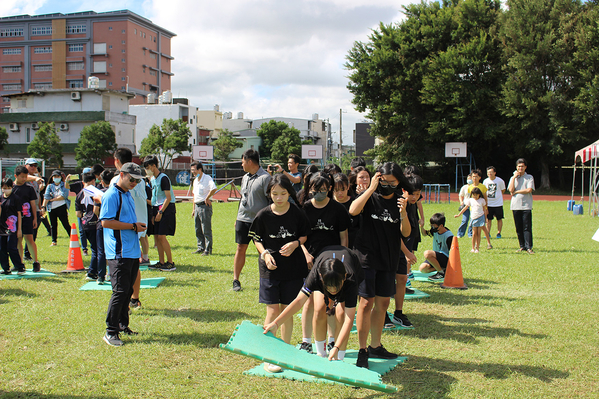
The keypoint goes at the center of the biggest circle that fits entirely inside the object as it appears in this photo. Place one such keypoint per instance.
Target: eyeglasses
(134, 180)
(385, 184)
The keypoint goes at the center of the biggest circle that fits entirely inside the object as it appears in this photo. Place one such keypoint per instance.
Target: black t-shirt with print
(414, 238)
(274, 231)
(353, 278)
(26, 194)
(325, 225)
(378, 239)
(354, 224)
(9, 219)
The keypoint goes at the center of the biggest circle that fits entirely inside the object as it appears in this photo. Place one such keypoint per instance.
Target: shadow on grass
(461, 298)
(423, 377)
(201, 315)
(465, 330)
(201, 340)
(186, 268)
(35, 394)
(13, 292)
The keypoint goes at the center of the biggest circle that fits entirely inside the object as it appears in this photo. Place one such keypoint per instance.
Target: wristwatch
(160, 212)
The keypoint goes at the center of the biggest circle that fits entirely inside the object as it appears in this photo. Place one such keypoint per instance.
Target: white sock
(340, 355)
(320, 349)
(331, 340)
(307, 340)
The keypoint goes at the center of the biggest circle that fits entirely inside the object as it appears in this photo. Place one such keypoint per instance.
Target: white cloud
(19, 7)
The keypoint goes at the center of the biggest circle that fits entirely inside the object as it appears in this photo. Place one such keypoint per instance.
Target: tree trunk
(545, 183)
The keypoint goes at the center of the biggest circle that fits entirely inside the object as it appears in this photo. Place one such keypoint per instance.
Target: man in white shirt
(203, 189)
(521, 186)
(495, 189)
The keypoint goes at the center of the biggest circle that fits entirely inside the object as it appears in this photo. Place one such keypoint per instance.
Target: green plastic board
(396, 328)
(145, 283)
(142, 268)
(381, 366)
(417, 294)
(249, 340)
(419, 276)
(28, 274)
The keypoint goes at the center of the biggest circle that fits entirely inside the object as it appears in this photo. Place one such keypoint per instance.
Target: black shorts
(377, 283)
(168, 222)
(241, 232)
(27, 225)
(496, 211)
(441, 258)
(274, 291)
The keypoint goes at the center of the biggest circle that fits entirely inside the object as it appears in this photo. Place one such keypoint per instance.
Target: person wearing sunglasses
(121, 246)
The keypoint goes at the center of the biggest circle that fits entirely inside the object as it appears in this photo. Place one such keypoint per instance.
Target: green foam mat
(28, 274)
(145, 283)
(380, 366)
(249, 340)
(417, 294)
(419, 276)
(396, 328)
(142, 268)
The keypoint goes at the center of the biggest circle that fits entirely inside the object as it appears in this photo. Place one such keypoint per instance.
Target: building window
(42, 68)
(152, 72)
(110, 28)
(144, 69)
(75, 66)
(135, 31)
(123, 31)
(110, 46)
(42, 50)
(122, 60)
(11, 87)
(109, 65)
(153, 56)
(76, 84)
(122, 87)
(122, 42)
(75, 47)
(76, 29)
(109, 83)
(123, 51)
(11, 51)
(144, 35)
(11, 69)
(99, 66)
(154, 39)
(28, 135)
(144, 52)
(42, 86)
(122, 69)
(41, 30)
(123, 79)
(11, 32)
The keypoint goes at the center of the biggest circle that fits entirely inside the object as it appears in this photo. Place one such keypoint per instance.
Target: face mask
(386, 190)
(469, 181)
(320, 196)
(7, 192)
(57, 180)
(434, 229)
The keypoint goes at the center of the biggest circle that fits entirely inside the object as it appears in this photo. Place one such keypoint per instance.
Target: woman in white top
(56, 202)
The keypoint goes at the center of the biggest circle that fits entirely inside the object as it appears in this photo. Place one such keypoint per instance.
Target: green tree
(225, 145)
(542, 81)
(272, 130)
(3, 139)
(46, 145)
(166, 141)
(97, 142)
(429, 79)
(289, 142)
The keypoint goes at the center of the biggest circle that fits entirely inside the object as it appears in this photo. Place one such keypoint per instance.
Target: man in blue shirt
(121, 245)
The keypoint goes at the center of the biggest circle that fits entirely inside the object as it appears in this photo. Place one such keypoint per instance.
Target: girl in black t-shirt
(342, 195)
(329, 222)
(10, 228)
(278, 231)
(334, 282)
(384, 223)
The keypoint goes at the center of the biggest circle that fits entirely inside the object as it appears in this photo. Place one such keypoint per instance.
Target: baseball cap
(86, 170)
(133, 169)
(57, 173)
(31, 161)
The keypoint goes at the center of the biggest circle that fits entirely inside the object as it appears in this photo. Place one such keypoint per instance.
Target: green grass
(526, 327)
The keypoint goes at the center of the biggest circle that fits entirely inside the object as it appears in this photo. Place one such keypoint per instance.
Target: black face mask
(386, 190)
(434, 229)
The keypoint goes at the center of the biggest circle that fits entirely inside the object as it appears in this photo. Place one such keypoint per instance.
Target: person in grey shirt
(254, 197)
(521, 186)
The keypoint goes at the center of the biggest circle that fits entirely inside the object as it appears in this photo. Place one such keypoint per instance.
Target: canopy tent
(590, 154)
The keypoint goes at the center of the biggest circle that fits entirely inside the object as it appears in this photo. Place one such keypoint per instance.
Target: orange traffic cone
(75, 263)
(453, 274)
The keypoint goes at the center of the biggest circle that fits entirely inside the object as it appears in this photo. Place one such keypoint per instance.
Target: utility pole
(341, 112)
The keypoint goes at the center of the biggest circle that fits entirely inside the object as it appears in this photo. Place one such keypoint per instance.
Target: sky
(265, 58)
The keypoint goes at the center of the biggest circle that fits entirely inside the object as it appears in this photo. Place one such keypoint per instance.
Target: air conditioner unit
(75, 95)
(64, 126)
(35, 126)
(13, 127)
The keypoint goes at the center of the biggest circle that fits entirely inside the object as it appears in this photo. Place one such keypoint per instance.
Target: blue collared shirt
(118, 204)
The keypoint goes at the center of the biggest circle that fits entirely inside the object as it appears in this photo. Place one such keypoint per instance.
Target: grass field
(526, 327)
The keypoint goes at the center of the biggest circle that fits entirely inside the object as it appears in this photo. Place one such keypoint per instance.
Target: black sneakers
(305, 346)
(134, 303)
(401, 319)
(236, 285)
(437, 276)
(113, 340)
(330, 346)
(167, 267)
(128, 331)
(388, 322)
(362, 358)
(380, 353)
(36, 267)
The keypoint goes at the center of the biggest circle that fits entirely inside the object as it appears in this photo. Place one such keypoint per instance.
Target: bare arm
(344, 237)
(289, 311)
(118, 225)
(358, 205)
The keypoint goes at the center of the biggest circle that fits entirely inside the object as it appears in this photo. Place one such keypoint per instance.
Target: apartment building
(124, 50)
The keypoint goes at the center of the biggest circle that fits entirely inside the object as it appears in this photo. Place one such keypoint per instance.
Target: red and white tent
(590, 154)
